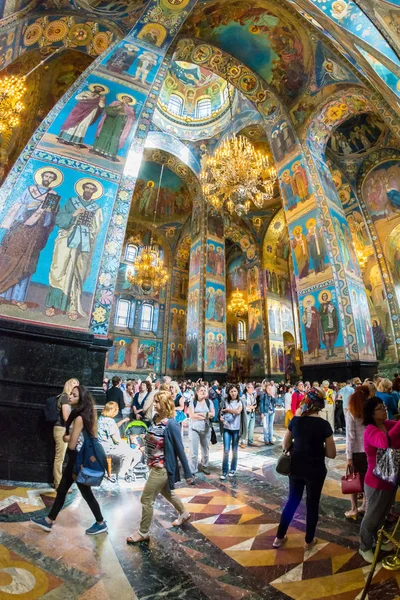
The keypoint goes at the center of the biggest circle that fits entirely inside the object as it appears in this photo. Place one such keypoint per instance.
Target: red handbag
(351, 482)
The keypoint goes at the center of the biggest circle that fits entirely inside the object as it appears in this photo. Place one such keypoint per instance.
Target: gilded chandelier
(149, 273)
(236, 175)
(12, 89)
(238, 305)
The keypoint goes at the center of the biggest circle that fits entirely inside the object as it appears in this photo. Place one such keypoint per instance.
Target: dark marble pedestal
(35, 362)
(339, 372)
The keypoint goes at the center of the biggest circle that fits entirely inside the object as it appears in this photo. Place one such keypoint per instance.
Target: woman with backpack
(63, 411)
(201, 411)
(83, 417)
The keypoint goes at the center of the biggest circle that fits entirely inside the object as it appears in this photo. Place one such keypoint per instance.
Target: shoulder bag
(387, 463)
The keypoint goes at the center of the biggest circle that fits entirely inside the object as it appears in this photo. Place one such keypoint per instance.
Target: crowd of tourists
(143, 424)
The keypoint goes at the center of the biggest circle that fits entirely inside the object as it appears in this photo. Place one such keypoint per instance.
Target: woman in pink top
(380, 494)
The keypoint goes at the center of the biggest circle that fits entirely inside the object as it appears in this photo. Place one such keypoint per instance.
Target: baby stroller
(135, 433)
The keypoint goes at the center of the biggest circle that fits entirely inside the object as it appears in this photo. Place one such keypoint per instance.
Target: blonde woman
(179, 402)
(385, 394)
(163, 448)
(64, 410)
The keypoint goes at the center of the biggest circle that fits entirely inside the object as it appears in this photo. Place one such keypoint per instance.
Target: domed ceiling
(194, 102)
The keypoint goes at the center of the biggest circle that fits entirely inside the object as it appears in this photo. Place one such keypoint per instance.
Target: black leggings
(296, 489)
(62, 491)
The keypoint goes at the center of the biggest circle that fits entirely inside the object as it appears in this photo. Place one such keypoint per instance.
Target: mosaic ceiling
(194, 102)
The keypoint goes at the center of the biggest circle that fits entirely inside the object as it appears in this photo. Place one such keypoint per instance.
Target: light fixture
(238, 305)
(12, 91)
(149, 273)
(236, 175)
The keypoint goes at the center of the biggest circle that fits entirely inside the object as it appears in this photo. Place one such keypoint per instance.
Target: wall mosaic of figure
(90, 130)
(178, 309)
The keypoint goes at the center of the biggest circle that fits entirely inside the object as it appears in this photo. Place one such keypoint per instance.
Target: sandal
(351, 514)
(311, 545)
(361, 511)
(137, 538)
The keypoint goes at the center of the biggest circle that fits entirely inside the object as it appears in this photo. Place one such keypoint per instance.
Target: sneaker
(367, 555)
(206, 471)
(181, 519)
(232, 473)
(278, 542)
(223, 477)
(42, 523)
(97, 528)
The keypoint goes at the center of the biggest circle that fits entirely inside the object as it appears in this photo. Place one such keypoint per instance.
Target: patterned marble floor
(225, 551)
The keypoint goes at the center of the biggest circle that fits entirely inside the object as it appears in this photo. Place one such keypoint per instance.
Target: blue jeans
(251, 423)
(230, 436)
(216, 407)
(268, 426)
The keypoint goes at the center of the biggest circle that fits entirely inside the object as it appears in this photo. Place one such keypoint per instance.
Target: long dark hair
(228, 392)
(85, 409)
(357, 401)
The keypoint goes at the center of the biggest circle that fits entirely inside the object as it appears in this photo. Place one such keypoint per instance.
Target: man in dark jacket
(114, 394)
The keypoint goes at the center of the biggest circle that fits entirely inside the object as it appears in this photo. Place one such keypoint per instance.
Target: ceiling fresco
(194, 102)
(265, 37)
(358, 135)
(123, 12)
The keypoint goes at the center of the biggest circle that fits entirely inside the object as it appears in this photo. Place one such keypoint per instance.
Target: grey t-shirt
(232, 422)
(201, 407)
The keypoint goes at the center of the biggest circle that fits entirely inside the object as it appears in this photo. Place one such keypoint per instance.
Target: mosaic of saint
(357, 135)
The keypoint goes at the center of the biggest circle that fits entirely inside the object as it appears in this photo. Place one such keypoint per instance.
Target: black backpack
(51, 412)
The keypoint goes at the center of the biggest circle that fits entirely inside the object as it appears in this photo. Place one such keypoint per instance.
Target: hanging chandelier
(236, 175)
(148, 272)
(12, 90)
(238, 305)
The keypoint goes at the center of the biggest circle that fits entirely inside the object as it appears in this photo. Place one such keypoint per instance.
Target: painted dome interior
(192, 98)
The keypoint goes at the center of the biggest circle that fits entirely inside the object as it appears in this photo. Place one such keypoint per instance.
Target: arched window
(122, 313)
(203, 108)
(241, 331)
(146, 320)
(131, 252)
(175, 105)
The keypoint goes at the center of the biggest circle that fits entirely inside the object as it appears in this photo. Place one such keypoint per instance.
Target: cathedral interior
(125, 104)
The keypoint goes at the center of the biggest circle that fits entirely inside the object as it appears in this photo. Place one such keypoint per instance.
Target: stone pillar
(63, 214)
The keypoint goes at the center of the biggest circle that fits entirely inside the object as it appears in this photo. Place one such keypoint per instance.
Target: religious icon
(329, 322)
(316, 245)
(312, 325)
(146, 61)
(79, 222)
(300, 247)
(146, 198)
(88, 109)
(300, 182)
(122, 58)
(114, 127)
(287, 190)
(28, 225)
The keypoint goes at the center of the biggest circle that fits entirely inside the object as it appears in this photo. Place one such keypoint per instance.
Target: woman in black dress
(309, 439)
